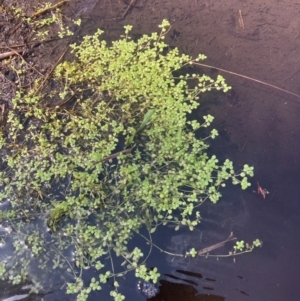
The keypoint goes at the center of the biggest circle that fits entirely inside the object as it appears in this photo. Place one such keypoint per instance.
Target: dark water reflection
(269, 273)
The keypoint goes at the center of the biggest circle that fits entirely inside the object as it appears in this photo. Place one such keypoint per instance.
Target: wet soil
(25, 57)
(258, 125)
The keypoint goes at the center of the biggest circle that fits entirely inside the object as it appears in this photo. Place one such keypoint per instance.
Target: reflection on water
(85, 7)
(11, 292)
(148, 289)
(170, 291)
(33, 276)
(205, 276)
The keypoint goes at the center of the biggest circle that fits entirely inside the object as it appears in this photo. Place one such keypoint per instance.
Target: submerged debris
(17, 297)
(148, 289)
(216, 246)
(262, 191)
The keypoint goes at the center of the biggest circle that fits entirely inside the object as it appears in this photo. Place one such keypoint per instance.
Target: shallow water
(84, 7)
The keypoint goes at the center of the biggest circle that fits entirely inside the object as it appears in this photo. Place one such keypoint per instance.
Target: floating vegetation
(107, 153)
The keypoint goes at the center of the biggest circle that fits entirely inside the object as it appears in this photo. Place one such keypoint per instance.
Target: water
(85, 7)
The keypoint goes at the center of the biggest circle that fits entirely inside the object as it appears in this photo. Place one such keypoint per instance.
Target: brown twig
(216, 246)
(126, 11)
(125, 151)
(30, 43)
(43, 10)
(5, 55)
(65, 101)
(249, 78)
(115, 155)
(128, 8)
(241, 21)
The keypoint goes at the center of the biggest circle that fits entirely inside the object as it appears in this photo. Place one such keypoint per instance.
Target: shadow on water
(184, 292)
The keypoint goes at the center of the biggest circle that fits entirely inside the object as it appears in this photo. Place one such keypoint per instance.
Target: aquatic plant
(113, 156)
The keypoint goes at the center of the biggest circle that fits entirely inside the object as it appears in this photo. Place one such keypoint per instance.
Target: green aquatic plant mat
(77, 195)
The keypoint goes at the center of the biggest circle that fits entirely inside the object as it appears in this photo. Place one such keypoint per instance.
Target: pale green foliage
(142, 272)
(242, 247)
(192, 252)
(125, 92)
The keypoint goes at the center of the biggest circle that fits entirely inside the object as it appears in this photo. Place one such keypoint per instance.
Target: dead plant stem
(249, 78)
(42, 11)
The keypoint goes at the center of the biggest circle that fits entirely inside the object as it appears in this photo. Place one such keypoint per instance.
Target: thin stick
(125, 13)
(249, 78)
(30, 43)
(241, 21)
(125, 151)
(128, 8)
(43, 10)
(8, 54)
(216, 246)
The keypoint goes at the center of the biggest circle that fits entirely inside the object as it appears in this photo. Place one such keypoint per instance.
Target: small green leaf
(153, 230)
